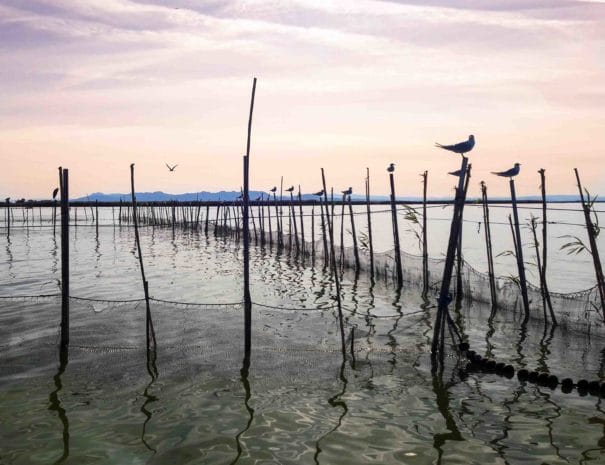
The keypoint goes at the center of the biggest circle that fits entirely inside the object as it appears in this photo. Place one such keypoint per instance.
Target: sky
(344, 85)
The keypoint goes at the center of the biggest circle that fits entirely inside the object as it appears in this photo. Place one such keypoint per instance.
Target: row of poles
(326, 203)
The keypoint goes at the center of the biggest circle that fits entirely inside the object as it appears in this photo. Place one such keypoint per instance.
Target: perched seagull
(456, 173)
(349, 191)
(391, 168)
(320, 193)
(171, 168)
(55, 192)
(461, 147)
(290, 189)
(274, 189)
(514, 171)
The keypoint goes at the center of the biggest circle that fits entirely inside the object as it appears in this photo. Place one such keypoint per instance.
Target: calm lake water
(303, 401)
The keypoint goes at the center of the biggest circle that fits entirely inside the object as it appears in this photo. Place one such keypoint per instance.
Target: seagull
(509, 173)
(391, 168)
(320, 193)
(290, 189)
(349, 191)
(55, 192)
(171, 168)
(461, 147)
(456, 173)
(274, 189)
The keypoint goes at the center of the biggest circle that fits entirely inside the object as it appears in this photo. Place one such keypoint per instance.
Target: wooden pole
(459, 258)
(247, 298)
(594, 251)
(269, 221)
(488, 244)
(8, 217)
(425, 254)
(333, 266)
(546, 301)
(354, 233)
(97, 217)
(369, 216)
(313, 236)
(342, 232)
(520, 262)
(149, 331)
(293, 213)
(444, 294)
(324, 236)
(64, 257)
(302, 223)
(394, 220)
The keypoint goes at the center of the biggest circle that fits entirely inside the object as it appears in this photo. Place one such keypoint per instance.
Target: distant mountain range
(233, 195)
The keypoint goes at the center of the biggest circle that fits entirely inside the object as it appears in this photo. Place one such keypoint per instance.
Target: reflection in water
(244, 372)
(55, 403)
(443, 404)
(335, 401)
(152, 369)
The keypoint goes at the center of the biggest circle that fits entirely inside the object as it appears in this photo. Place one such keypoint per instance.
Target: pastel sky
(94, 85)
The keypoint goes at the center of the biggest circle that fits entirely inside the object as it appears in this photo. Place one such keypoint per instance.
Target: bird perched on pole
(461, 147)
(55, 192)
(290, 189)
(456, 173)
(514, 171)
(349, 191)
(170, 168)
(273, 189)
(391, 168)
(320, 193)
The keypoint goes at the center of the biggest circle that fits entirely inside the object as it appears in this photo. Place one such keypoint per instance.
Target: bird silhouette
(171, 168)
(514, 171)
(456, 173)
(391, 168)
(260, 197)
(461, 147)
(349, 191)
(7, 200)
(274, 189)
(55, 192)
(290, 189)
(320, 193)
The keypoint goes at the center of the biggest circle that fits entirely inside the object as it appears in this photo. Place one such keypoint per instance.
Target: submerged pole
(520, 262)
(354, 234)
(369, 215)
(247, 298)
(397, 251)
(64, 257)
(594, 251)
(488, 244)
(425, 254)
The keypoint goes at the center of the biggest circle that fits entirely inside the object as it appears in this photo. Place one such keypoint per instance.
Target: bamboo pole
(302, 223)
(594, 251)
(149, 331)
(369, 216)
(8, 217)
(520, 262)
(269, 221)
(425, 254)
(64, 257)
(342, 232)
(546, 301)
(313, 236)
(293, 213)
(354, 234)
(395, 225)
(333, 265)
(444, 294)
(247, 297)
(324, 236)
(459, 258)
(488, 244)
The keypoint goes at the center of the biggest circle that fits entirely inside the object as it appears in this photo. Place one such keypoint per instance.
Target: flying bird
(55, 192)
(391, 168)
(320, 193)
(290, 189)
(514, 171)
(171, 168)
(349, 191)
(461, 147)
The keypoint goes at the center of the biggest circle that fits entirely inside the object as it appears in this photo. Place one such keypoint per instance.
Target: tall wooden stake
(520, 262)
(425, 254)
(594, 251)
(394, 220)
(247, 298)
(64, 186)
(488, 244)
(369, 215)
